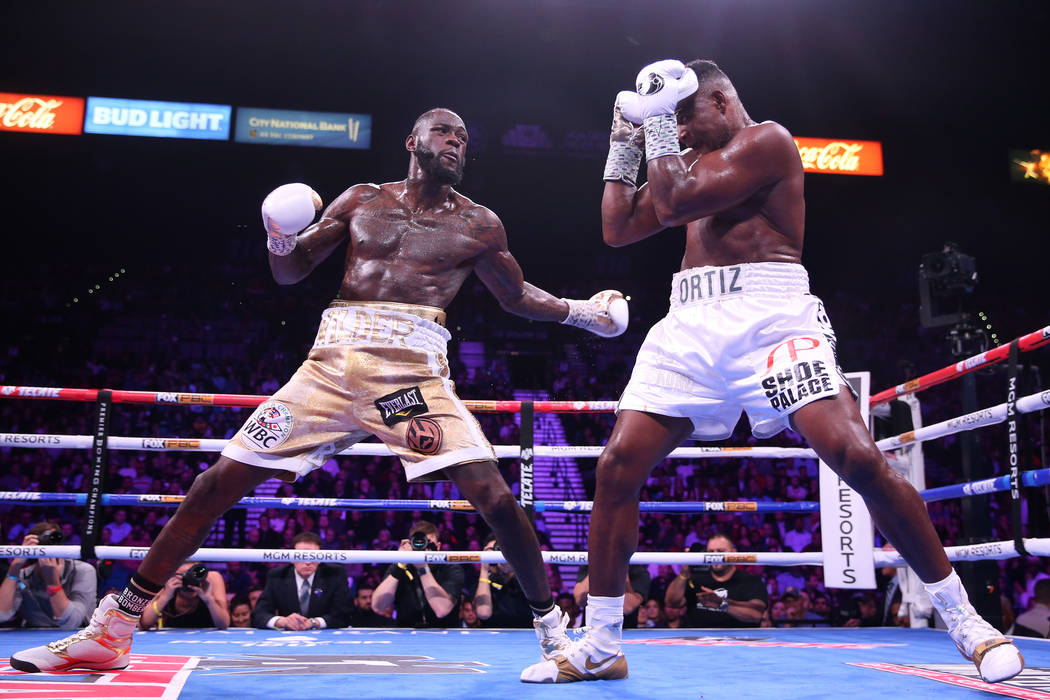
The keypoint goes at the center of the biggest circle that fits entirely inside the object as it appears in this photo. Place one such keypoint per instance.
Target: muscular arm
(675, 594)
(628, 214)
(749, 611)
(383, 595)
(440, 600)
(317, 241)
(758, 156)
(500, 272)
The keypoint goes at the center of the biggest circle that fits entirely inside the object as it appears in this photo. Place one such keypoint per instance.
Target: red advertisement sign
(840, 156)
(44, 114)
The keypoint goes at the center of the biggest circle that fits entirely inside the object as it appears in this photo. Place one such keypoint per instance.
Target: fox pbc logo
(401, 405)
(424, 436)
(269, 426)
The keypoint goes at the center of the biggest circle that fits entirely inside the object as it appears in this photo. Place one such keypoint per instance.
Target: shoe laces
(970, 628)
(84, 635)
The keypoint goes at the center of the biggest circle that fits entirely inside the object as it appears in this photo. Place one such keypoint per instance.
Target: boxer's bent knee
(617, 475)
(861, 466)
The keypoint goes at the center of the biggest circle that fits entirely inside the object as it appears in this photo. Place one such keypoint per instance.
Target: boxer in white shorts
(743, 333)
(742, 337)
(378, 367)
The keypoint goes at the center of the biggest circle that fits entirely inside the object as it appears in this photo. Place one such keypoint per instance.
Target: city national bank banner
(107, 115)
(41, 114)
(280, 127)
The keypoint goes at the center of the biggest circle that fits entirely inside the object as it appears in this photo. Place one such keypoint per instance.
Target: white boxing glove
(604, 314)
(659, 87)
(285, 212)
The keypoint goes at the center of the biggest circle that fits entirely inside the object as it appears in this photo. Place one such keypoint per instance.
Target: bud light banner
(279, 127)
(41, 114)
(106, 115)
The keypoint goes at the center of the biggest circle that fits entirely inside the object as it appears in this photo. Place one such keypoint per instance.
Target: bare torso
(413, 257)
(768, 226)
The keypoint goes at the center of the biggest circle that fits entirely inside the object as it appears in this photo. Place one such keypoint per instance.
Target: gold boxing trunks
(374, 369)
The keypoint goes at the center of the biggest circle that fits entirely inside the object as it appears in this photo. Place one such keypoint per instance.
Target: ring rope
(971, 552)
(295, 503)
(969, 421)
(1035, 477)
(1025, 343)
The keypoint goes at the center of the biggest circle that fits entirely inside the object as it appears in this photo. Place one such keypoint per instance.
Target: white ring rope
(972, 552)
(969, 421)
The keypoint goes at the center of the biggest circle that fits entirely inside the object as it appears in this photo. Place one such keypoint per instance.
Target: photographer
(193, 597)
(721, 596)
(48, 592)
(426, 596)
(499, 600)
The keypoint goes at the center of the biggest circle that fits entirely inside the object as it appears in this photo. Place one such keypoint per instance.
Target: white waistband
(699, 285)
(363, 325)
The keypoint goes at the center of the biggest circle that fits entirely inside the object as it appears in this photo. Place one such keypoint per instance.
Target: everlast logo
(401, 405)
(706, 285)
(793, 384)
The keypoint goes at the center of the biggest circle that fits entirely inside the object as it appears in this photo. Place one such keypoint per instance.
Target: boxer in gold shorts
(378, 367)
(375, 369)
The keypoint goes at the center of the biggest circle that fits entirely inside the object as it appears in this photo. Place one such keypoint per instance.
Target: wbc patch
(401, 405)
(269, 426)
(424, 435)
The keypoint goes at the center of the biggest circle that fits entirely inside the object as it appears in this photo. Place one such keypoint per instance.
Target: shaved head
(427, 115)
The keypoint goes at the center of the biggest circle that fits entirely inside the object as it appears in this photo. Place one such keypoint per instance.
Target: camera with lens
(196, 575)
(420, 543)
(51, 537)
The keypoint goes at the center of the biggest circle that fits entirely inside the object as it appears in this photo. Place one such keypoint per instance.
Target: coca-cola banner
(840, 156)
(41, 114)
(107, 115)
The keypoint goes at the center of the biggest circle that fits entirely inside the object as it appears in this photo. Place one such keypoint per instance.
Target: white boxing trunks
(746, 337)
(376, 368)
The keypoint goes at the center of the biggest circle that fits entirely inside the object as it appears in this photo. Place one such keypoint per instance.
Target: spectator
(426, 596)
(567, 603)
(499, 600)
(47, 592)
(798, 538)
(654, 614)
(240, 611)
(468, 617)
(304, 595)
(363, 615)
(119, 528)
(193, 597)
(1035, 622)
(723, 596)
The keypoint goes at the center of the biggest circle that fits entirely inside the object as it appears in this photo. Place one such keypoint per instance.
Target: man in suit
(304, 595)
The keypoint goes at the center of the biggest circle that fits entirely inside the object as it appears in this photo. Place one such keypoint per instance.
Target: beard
(436, 169)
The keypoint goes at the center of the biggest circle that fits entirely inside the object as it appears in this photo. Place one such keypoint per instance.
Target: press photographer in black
(719, 596)
(193, 597)
(499, 600)
(48, 592)
(421, 596)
